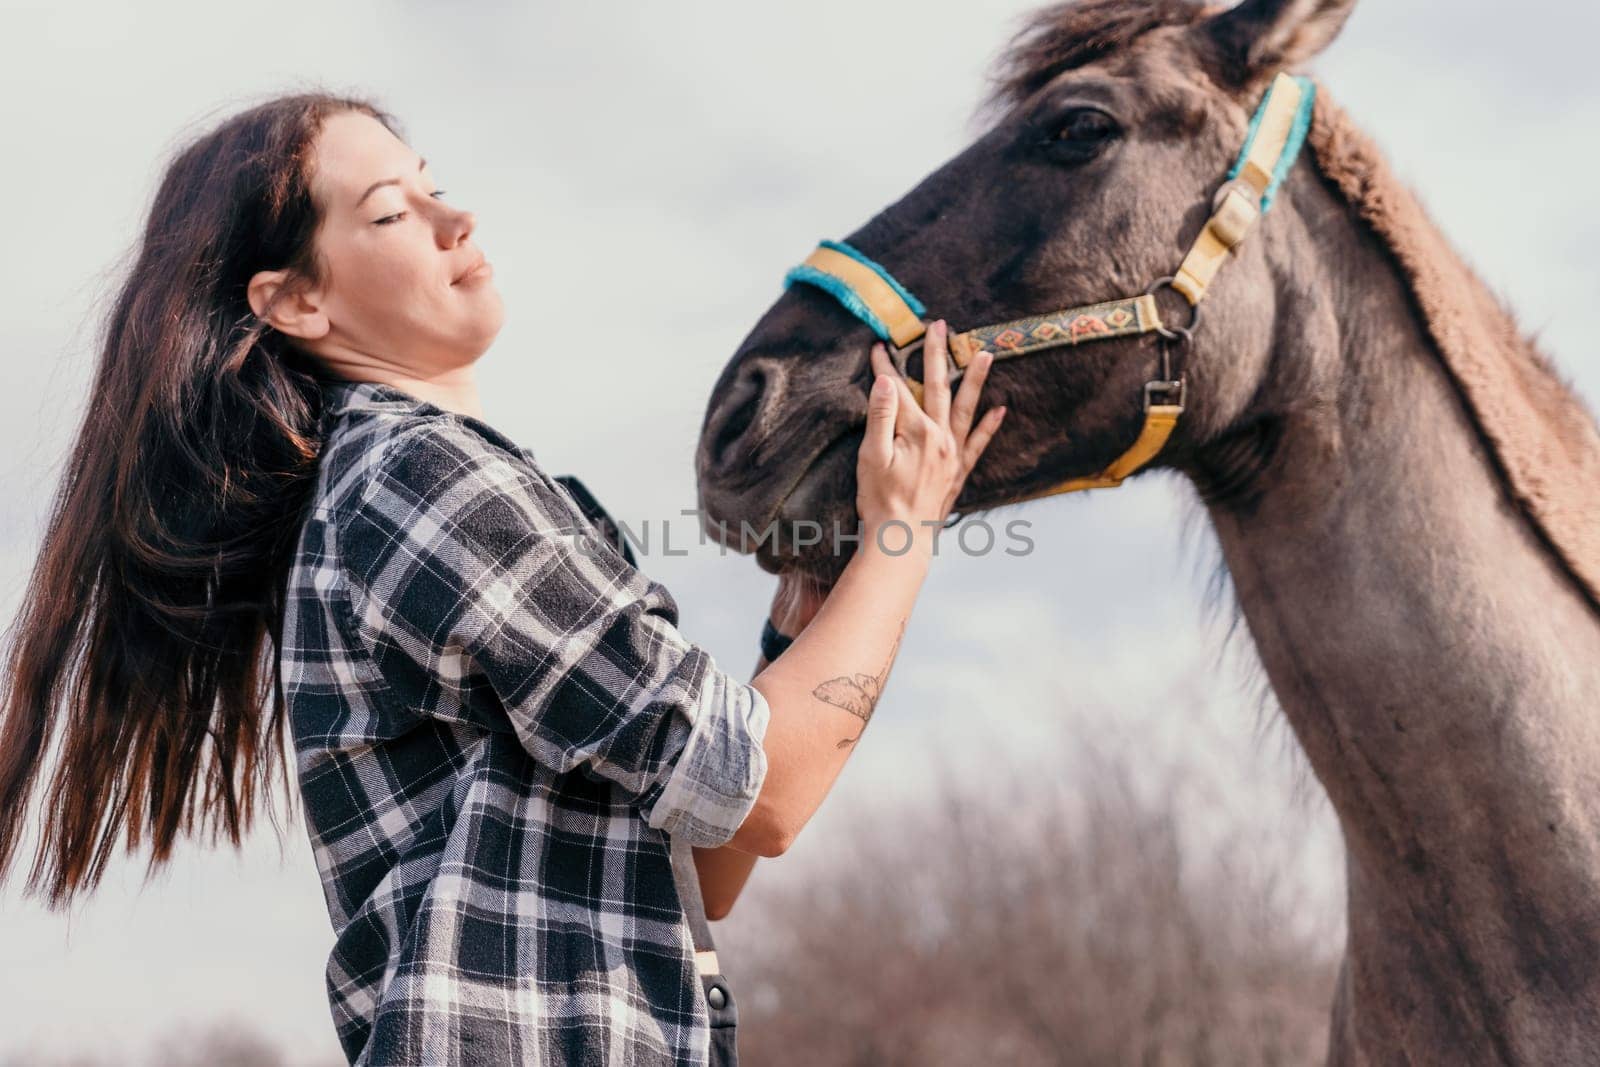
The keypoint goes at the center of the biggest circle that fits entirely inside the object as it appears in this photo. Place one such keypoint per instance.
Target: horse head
(1115, 124)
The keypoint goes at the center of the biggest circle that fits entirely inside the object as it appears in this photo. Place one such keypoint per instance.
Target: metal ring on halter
(1175, 333)
(901, 358)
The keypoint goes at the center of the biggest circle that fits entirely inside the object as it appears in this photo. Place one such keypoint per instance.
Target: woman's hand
(915, 458)
(822, 692)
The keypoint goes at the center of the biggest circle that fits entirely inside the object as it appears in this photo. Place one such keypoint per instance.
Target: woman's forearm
(723, 873)
(914, 457)
(823, 690)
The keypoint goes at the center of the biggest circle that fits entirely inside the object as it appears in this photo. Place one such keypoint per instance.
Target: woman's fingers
(936, 372)
(979, 439)
(972, 448)
(882, 410)
(966, 401)
(910, 421)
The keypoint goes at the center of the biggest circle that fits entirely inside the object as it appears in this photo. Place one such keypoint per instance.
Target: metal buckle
(901, 358)
(1171, 388)
(1250, 192)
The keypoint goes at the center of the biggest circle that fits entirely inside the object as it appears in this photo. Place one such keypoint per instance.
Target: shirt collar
(342, 395)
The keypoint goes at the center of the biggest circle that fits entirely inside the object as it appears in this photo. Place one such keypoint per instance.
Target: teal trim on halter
(1297, 138)
(840, 291)
(901, 291)
(1291, 147)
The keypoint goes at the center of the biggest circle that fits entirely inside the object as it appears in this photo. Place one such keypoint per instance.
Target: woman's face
(399, 290)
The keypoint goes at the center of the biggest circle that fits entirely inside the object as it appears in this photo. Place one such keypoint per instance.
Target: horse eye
(1087, 126)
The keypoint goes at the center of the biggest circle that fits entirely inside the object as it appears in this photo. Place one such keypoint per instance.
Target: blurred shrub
(1035, 918)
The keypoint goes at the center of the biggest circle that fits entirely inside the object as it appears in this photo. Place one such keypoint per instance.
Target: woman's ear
(1259, 37)
(286, 307)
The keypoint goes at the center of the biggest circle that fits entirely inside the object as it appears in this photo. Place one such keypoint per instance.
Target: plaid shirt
(496, 728)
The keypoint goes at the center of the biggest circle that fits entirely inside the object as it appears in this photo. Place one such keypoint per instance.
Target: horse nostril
(736, 414)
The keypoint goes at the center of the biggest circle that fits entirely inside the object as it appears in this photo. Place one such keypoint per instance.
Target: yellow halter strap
(873, 295)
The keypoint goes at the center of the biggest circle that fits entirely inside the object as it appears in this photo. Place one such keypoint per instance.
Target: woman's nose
(457, 227)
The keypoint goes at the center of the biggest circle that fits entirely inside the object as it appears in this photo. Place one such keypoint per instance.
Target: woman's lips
(481, 271)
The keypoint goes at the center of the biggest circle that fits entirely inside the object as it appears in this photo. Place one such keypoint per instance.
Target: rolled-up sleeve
(707, 795)
(468, 570)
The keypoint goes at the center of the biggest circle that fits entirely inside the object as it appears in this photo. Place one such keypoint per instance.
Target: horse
(1187, 258)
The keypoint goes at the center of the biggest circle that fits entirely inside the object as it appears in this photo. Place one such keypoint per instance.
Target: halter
(869, 292)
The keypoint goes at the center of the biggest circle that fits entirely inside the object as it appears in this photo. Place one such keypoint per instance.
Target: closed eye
(398, 215)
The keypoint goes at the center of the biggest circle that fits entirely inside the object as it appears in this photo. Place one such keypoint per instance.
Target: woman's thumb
(882, 404)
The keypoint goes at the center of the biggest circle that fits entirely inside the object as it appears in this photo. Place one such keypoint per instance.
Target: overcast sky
(647, 172)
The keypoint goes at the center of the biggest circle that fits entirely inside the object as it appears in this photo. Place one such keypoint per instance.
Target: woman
(499, 731)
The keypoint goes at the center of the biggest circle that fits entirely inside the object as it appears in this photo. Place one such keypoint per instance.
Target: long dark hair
(162, 569)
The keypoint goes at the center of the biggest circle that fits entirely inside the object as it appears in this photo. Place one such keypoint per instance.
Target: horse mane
(1539, 433)
(1065, 36)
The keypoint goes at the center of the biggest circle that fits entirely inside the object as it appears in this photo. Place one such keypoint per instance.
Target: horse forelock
(1066, 36)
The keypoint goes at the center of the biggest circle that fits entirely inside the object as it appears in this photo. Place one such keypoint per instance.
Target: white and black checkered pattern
(496, 728)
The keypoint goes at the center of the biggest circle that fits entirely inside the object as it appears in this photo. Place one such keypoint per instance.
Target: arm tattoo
(858, 693)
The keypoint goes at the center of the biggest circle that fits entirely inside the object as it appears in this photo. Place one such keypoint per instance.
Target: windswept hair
(143, 635)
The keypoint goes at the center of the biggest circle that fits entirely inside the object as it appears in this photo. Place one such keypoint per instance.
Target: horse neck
(1436, 664)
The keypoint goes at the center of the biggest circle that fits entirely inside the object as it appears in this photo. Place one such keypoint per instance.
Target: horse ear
(1261, 36)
